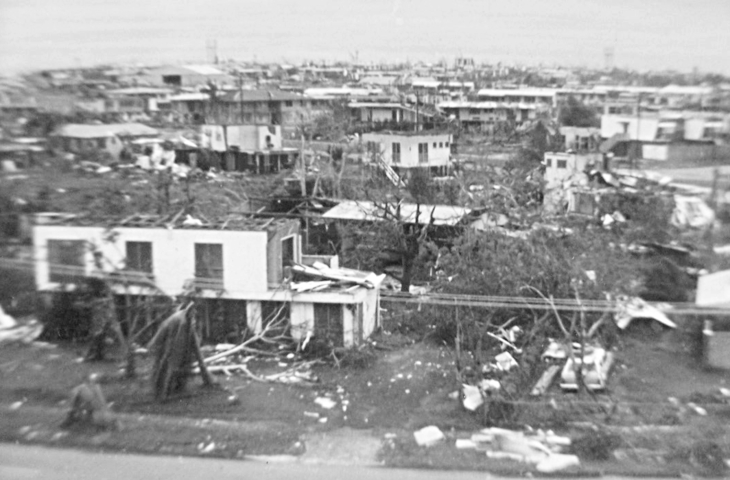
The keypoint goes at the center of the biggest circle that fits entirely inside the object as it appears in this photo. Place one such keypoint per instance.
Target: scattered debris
(203, 448)
(6, 321)
(545, 380)
(465, 443)
(472, 397)
(428, 436)
(594, 366)
(632, 308)
(325, 402)
(506, 362)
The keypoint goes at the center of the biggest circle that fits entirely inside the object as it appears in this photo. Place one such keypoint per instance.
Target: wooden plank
(545, 380)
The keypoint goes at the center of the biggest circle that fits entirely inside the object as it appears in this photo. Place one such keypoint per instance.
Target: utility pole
(240, 97)
(635, 155)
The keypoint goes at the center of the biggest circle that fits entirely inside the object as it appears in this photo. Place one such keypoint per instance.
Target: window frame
(395, 150)
(137, 265)
(60, 271)
(214, 274)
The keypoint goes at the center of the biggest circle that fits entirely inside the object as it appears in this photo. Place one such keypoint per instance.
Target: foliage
(576, 114)
(596, 445)
(550, 262)
(648, 213)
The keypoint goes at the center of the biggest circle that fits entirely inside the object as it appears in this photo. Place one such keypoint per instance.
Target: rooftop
(240, 222)
(260, 96)
(78, 130)
(420, 133)
(443, 215)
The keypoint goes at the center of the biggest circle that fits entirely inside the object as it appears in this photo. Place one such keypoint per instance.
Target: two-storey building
(241, 266)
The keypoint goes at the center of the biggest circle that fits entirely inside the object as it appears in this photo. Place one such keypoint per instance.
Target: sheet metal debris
(428, 436)
(634, 307)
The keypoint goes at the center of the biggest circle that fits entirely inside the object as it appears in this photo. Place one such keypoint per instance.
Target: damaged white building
(243, 268)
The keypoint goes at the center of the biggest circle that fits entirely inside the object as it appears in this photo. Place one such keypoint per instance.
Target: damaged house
(248, 148)
(243, 271)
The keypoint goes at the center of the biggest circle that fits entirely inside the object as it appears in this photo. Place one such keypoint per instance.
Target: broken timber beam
(545, 380)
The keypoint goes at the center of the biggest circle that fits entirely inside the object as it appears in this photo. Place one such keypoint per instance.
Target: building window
(562, 164)
(434, 144)
(328, 323)
(446, 144)
(209, 262)
(289, 103)
(396, 152)
(441, 144)
(548, 162)
(139, 257)
(287, 252)
(66, 259)
(423, 153)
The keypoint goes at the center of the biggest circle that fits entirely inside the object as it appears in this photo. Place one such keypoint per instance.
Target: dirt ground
(374, 410)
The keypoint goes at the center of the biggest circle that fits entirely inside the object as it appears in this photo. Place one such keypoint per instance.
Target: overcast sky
(644, 34)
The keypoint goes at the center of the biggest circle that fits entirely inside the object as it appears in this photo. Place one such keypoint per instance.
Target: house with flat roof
(377, 112)
(248, 148)
(185, 76)
(99, 138)
(244, 268)
(263, 107)
(403, 151)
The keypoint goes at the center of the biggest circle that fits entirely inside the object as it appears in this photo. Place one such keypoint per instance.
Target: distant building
(566, 181)
(248, 148)
(668, 136)
(403, 151)
(560, 166)
(580, 139)
(528, 96)
(185, 76)
(263, 107)
(486, 115)
(374, 112)
(100, 138)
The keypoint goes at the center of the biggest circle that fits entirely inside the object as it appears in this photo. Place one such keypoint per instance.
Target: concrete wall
(173, 255)
(713, 289)
(302, 319)
(254, 137)
(717, 349)
(245, 137)
(638, 128)
(438, 156)
(679, 152)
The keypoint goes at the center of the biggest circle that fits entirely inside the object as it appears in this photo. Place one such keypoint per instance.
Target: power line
(462, 300)
(536, 303)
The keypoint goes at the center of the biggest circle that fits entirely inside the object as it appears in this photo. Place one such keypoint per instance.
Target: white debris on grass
(428, 436)
(325, 402)
(465, 444)
(472, 397)
(505, 361)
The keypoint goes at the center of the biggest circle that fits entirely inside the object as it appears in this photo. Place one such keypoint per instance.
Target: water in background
(648, 35)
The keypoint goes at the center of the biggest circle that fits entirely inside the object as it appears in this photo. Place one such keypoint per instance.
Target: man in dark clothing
(103, 319)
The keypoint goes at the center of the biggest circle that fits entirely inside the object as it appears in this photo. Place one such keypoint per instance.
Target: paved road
(20, 462)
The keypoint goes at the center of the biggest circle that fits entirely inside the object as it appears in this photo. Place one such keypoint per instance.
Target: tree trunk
(405, 285)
